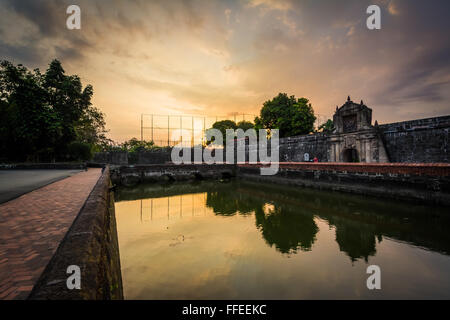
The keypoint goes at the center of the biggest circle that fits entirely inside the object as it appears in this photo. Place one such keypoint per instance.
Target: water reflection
(285, 216)
(241, 240)
(286, 229)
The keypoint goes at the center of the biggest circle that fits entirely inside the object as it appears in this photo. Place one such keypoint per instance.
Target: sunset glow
(220, 57)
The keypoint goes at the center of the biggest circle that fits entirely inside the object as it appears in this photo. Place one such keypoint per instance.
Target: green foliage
(245, 125)
(327, 127)
(132, 146)
(42, 114)
(290, 115)
(229, 124)
(135, 145)
(222, 126)
(79, 151)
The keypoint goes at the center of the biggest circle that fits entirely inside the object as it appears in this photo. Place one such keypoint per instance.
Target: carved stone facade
(354, 138)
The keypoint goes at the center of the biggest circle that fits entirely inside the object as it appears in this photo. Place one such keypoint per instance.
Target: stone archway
(350, 155)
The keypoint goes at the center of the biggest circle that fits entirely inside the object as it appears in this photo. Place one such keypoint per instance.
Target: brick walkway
(33, 225)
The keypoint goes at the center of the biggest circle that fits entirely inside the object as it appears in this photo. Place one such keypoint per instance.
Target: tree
(290, 115)
(245, 125)
(326, 127)
(135, 145)
(43, 114)
(30, 127)
(222, 126)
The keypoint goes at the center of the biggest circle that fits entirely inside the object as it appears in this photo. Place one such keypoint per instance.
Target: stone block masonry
(133, 175)
(423, 183)
(423, 140)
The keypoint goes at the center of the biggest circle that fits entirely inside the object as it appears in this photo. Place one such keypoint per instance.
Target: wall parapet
(47, 166)
(133, 175)
(92, 244)
(422, 183)
(430, 169)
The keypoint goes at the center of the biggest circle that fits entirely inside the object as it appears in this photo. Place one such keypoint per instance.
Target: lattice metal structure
(162, 129)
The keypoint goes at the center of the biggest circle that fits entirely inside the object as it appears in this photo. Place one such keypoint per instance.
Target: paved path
(33, 225)
(14, 183)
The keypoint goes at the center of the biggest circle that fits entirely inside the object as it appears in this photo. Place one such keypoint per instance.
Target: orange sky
(219, 57)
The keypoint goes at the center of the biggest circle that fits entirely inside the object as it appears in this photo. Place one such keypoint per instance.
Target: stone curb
(92, 244)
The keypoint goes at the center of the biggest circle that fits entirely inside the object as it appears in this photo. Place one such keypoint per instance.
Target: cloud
(228, 56)
(271, 4)
(393, 9)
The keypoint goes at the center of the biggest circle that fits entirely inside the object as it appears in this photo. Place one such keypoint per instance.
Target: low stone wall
(132, 175)
(153, 157)
(60, 165)
(294, 148)
(425, 183)
(113, 157)
(91, 243)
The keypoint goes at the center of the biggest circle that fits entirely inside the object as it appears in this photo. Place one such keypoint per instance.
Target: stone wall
(92, 244)
(46, 166)
(133, 175)
(424, 183)
(113, 157)
(416, 141)
(154, 157)
(424, 140)
(293, 149)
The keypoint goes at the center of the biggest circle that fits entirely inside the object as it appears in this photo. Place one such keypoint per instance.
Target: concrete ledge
(133, 175)
(91, 243)
(430, 169)
(22, 166)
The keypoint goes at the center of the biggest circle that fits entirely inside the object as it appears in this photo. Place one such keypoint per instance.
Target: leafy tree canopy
(290, 115)
(230, 124)
(222, 126)
(245, 125)
(135, 145)
(327, 127)
(43, 114)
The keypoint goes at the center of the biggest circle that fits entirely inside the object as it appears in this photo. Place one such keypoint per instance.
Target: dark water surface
(241, 240)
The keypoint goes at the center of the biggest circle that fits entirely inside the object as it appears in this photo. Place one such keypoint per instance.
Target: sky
(208, 57)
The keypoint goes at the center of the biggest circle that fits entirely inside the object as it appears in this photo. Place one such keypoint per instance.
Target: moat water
(242, 240)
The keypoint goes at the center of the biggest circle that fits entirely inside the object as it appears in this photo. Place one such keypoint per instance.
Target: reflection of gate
(168, 208)
(350, 155)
